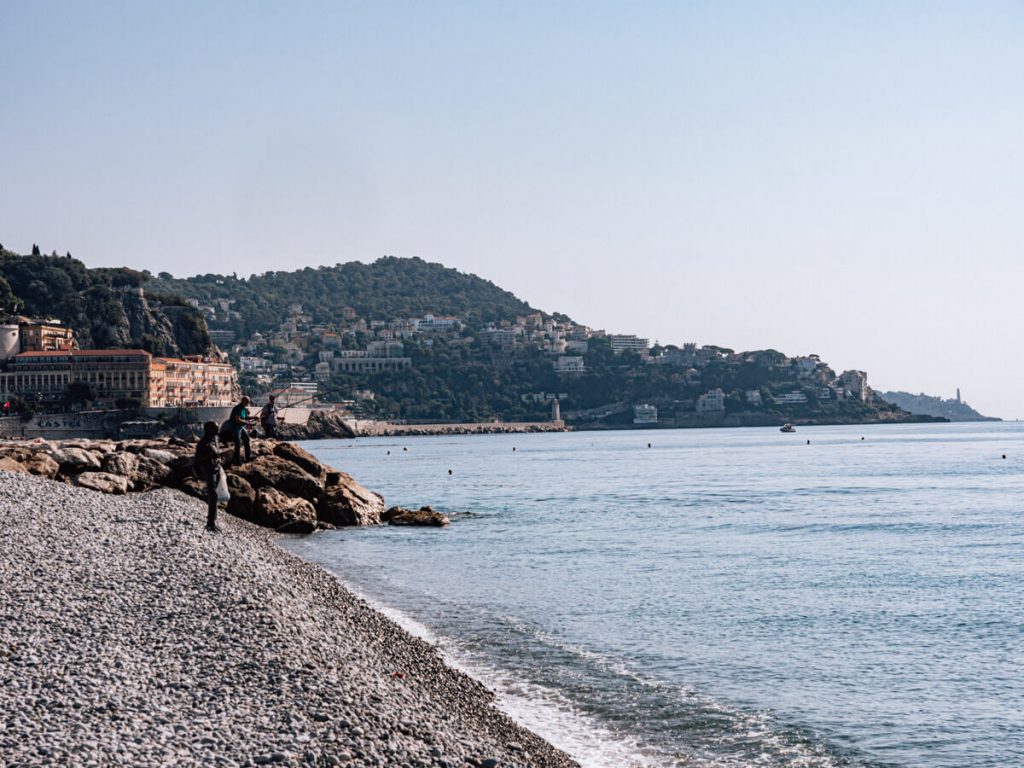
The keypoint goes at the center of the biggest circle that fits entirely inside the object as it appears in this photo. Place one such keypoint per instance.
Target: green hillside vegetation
(101, 305)
(457, 380)
(388, 288)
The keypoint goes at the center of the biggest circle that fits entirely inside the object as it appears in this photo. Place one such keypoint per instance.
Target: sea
(838, 596)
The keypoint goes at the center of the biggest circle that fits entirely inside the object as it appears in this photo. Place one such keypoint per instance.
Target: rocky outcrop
(284, 513)
(284, 487)
(422, 516)
(321, 425)
(345, 502)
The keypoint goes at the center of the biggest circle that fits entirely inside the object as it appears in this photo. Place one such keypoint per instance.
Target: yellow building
(40, 337)
(192, 381)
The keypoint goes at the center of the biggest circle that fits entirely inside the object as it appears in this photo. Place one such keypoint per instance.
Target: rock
(150, 473)
(10, 465)
(422, 516)
(122, 463)
(41, 464)
(348, 503)
(280, 474)
(302, 458)
(164, 457)
(243, 498)
(284, 513)
(193, 486)
(104, 482)
(302, 493)
(74, 460)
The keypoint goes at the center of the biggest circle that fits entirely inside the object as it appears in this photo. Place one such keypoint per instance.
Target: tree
(128, 403)
(79, 393)
(8, 300)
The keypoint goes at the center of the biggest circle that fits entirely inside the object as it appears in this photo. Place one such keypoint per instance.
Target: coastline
(131, 637)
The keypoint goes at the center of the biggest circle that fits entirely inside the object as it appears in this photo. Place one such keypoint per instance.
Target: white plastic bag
(223, 494)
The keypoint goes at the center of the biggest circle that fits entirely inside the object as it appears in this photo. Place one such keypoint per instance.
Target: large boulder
(302, 458)
(346, 502)
(193, 486)
(8, 464)
(422, 516)
(121, 463)
(74, 460)
(280, 474)
(150, 473)
(284, 513)
(42, 465)
(158, 454)
(243, 498)
(104, 482)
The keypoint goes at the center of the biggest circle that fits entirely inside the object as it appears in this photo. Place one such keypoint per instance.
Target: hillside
(105, 307)
(411, 340)
(389, 287)
(361, 331)
(927, 405)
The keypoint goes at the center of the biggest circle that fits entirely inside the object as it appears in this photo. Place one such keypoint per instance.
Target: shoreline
(131, 637)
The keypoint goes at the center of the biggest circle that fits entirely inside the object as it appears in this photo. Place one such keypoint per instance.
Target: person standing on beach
(207, 468)
(236, 429)
(268, 418)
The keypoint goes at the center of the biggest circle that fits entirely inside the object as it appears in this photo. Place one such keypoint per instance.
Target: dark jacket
(207, 458)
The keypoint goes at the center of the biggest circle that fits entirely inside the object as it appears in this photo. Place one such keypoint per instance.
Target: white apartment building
(791, 398)
(628, 343)
(645, 414)
(371, 364)
(711, 402)
(569, 364)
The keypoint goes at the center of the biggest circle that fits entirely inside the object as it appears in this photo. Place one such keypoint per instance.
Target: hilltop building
(622, 342)
(856, 383)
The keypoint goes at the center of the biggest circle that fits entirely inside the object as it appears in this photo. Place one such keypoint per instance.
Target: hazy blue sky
(843, 179)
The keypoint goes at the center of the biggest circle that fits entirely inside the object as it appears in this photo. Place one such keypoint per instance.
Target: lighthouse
(556, 411)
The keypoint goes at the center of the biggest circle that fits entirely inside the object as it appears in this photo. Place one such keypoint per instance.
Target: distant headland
(927, 405)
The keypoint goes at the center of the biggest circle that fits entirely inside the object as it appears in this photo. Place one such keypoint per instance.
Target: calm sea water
(722, 597)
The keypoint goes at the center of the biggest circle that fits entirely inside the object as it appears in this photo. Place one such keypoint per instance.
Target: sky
(844, 179)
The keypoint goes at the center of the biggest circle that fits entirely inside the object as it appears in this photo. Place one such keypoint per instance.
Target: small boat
(787, 427)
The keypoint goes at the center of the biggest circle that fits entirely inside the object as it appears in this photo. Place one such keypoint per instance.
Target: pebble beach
(130, 636)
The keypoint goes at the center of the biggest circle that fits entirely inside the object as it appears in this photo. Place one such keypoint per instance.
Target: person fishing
(207, 467)
(268, 417)
(236, 429)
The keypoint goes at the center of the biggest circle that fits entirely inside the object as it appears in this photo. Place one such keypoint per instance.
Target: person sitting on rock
(268, 418)
(207, 468)
(236, 429)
